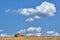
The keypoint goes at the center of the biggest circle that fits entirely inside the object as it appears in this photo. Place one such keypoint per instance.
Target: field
(31, 38)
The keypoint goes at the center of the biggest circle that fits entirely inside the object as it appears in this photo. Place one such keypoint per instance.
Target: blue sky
(13, 22)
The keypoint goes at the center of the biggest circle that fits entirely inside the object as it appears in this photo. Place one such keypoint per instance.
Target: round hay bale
(18, 35)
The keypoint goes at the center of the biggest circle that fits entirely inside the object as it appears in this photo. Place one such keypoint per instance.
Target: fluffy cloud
(45, 9)
(26, 11)
(52, 33)
(30, 19)
(37, 17)
(31, 31)
(34, 31)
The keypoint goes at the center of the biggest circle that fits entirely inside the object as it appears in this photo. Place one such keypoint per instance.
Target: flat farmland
(31, 38)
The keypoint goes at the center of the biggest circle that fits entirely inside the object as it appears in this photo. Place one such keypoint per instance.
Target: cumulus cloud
(31, 31)
(37, 17)
(52, 33)
(45, 9)
(27, 11)
(30, 19)
(34, 31)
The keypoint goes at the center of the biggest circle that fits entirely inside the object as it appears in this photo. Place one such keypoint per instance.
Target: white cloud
(34, 31)
(33, 34)
(52, 33)
(45, 9)
(56, 34)
(31, 31)
(11, 11)
(30, 19)
(27, 11)
(37, 17)
(4, 35)
(21, 31)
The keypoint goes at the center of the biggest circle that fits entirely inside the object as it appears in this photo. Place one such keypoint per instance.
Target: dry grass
(31, 38)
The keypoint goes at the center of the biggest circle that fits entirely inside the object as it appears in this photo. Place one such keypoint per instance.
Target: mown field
(31, 38)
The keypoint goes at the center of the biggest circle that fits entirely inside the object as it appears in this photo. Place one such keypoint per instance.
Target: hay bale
(18, 35)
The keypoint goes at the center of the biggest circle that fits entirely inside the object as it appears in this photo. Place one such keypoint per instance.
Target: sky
(30, 17)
